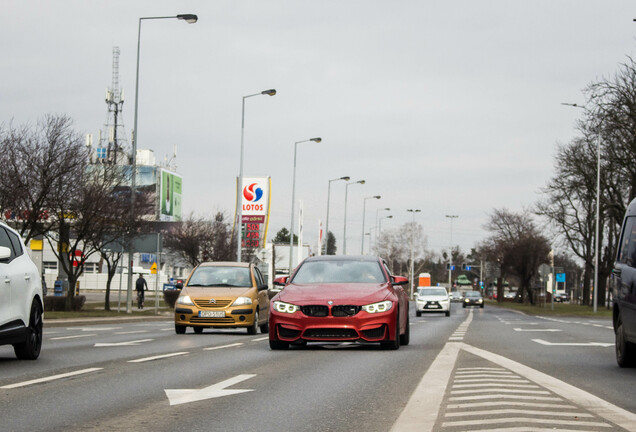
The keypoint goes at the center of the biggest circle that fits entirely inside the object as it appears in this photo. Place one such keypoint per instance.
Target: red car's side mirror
(281, 281)
(400, 280)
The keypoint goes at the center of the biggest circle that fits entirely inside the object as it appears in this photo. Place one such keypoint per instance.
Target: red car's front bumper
(378, 327)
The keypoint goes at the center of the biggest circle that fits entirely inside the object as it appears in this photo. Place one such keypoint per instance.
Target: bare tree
(518, 245)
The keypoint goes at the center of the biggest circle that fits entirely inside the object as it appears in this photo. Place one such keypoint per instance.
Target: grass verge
(560, 309)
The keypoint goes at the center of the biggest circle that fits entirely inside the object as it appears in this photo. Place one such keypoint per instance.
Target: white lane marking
(598, 406)
(92, 329)
(573, 344)
(494, 384)
(489, 413)
(73, 337)
(223, 346)
(50, 378)
(504, 396)
(260, 339)
(181, 396)
(511, 380)
(131, 332)
(462, 369)
(524, 420)
(536, 330)
(510, 403)
(119, 344)
(499, 391)
(167, 329)
(157, 357)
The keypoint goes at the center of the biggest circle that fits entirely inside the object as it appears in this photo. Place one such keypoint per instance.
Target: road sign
(153, 268)
(560, 277)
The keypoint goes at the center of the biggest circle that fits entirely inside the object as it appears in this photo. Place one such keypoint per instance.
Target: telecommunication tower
(113, 151)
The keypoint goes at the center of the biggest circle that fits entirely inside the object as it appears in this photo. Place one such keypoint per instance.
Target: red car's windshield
(345, 271)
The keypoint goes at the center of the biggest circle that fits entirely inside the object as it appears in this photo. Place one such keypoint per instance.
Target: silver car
(432, 299)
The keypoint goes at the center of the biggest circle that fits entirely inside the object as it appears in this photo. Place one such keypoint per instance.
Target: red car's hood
(350, 294)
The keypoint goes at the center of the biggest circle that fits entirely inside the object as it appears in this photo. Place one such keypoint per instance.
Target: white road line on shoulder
(598, 406)
(504, 396)
(536, 330)
(491, 384)
(260, 339)
(223, 346)
(524, 420)
(499, 391)
(73, 337)
(131, 332)
(157, 357)
(574, 344)
(511, 380)
(490, 413)
(524, 404)
(50, 378)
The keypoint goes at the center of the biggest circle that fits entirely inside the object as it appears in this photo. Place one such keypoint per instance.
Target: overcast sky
(451, 107)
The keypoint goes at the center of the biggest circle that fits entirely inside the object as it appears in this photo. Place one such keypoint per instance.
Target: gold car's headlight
(185, 300)
(242, 301)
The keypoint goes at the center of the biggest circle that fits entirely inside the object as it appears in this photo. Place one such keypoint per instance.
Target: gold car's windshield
(221, 277)
(345, 271)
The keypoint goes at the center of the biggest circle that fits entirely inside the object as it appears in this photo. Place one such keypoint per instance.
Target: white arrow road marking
(537, 330)
(51, 378)
(127, 343)
(181, 396)
(599, 344)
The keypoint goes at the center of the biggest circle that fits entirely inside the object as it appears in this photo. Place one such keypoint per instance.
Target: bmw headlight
(185, 300)
(242, 301)
(283, 307)
(480, 300)
(382, 306)
(466, 300)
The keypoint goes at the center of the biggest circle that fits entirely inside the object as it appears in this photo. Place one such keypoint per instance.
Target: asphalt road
(480, 369)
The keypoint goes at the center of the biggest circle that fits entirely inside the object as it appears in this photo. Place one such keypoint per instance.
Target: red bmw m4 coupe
(338, 299)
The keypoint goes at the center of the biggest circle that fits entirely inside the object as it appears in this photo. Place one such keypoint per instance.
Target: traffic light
(466, 267)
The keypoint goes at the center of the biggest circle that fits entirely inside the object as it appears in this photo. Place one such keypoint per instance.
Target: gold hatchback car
(223, 295)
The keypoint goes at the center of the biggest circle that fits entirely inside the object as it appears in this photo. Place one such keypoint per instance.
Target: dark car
(473, 298)
(623, 284)
(340, 299)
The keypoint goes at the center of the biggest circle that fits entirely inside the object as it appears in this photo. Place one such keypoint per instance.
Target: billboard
(170, 201)
(254, 199)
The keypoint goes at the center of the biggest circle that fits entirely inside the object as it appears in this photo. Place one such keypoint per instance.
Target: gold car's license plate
(211, 314)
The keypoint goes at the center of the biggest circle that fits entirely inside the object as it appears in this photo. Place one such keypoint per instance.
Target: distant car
(510, 295)
(561, 298)
(432, 299)
(338, 299)
(456, 296)
(473, 298)
(223, 295)
(21, 297)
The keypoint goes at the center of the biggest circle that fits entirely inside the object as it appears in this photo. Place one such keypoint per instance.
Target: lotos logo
(252, 193)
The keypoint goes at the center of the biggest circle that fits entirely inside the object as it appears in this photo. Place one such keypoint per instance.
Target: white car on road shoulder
(432, 299)
(21, 299)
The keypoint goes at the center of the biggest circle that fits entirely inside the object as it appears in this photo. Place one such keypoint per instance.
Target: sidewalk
(164, 315)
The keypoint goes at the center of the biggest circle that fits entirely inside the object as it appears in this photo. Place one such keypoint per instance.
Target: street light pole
(344, 234)
(239, 186)
(450, 253)
(377, 233)
(345, 178)
(364, 206)
(380, 223)
(291, 227)
(190, 19)
(412, 266)
(598, 209)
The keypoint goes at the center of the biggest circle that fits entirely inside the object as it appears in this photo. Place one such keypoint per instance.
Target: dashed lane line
(157, 357)
(73, 337)
(223, 346)
(50, 378)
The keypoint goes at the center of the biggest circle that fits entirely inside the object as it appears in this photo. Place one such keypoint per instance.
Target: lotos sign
(254, 196)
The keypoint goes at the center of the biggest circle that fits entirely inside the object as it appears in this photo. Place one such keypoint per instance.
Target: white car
(432, 299)
(21, 299)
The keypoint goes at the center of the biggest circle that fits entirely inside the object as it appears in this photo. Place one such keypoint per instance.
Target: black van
(623, 283)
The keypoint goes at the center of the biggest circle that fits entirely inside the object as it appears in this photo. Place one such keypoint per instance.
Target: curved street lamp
(291, 227)
(239, 201)
(364, 206)
(190, 19)
(344, 234)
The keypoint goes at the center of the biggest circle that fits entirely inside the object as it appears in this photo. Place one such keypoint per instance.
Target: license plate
(211, 314)
(432, 306)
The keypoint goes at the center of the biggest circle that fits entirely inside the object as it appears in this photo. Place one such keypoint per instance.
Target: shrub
(58, 303)
(170, 297)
